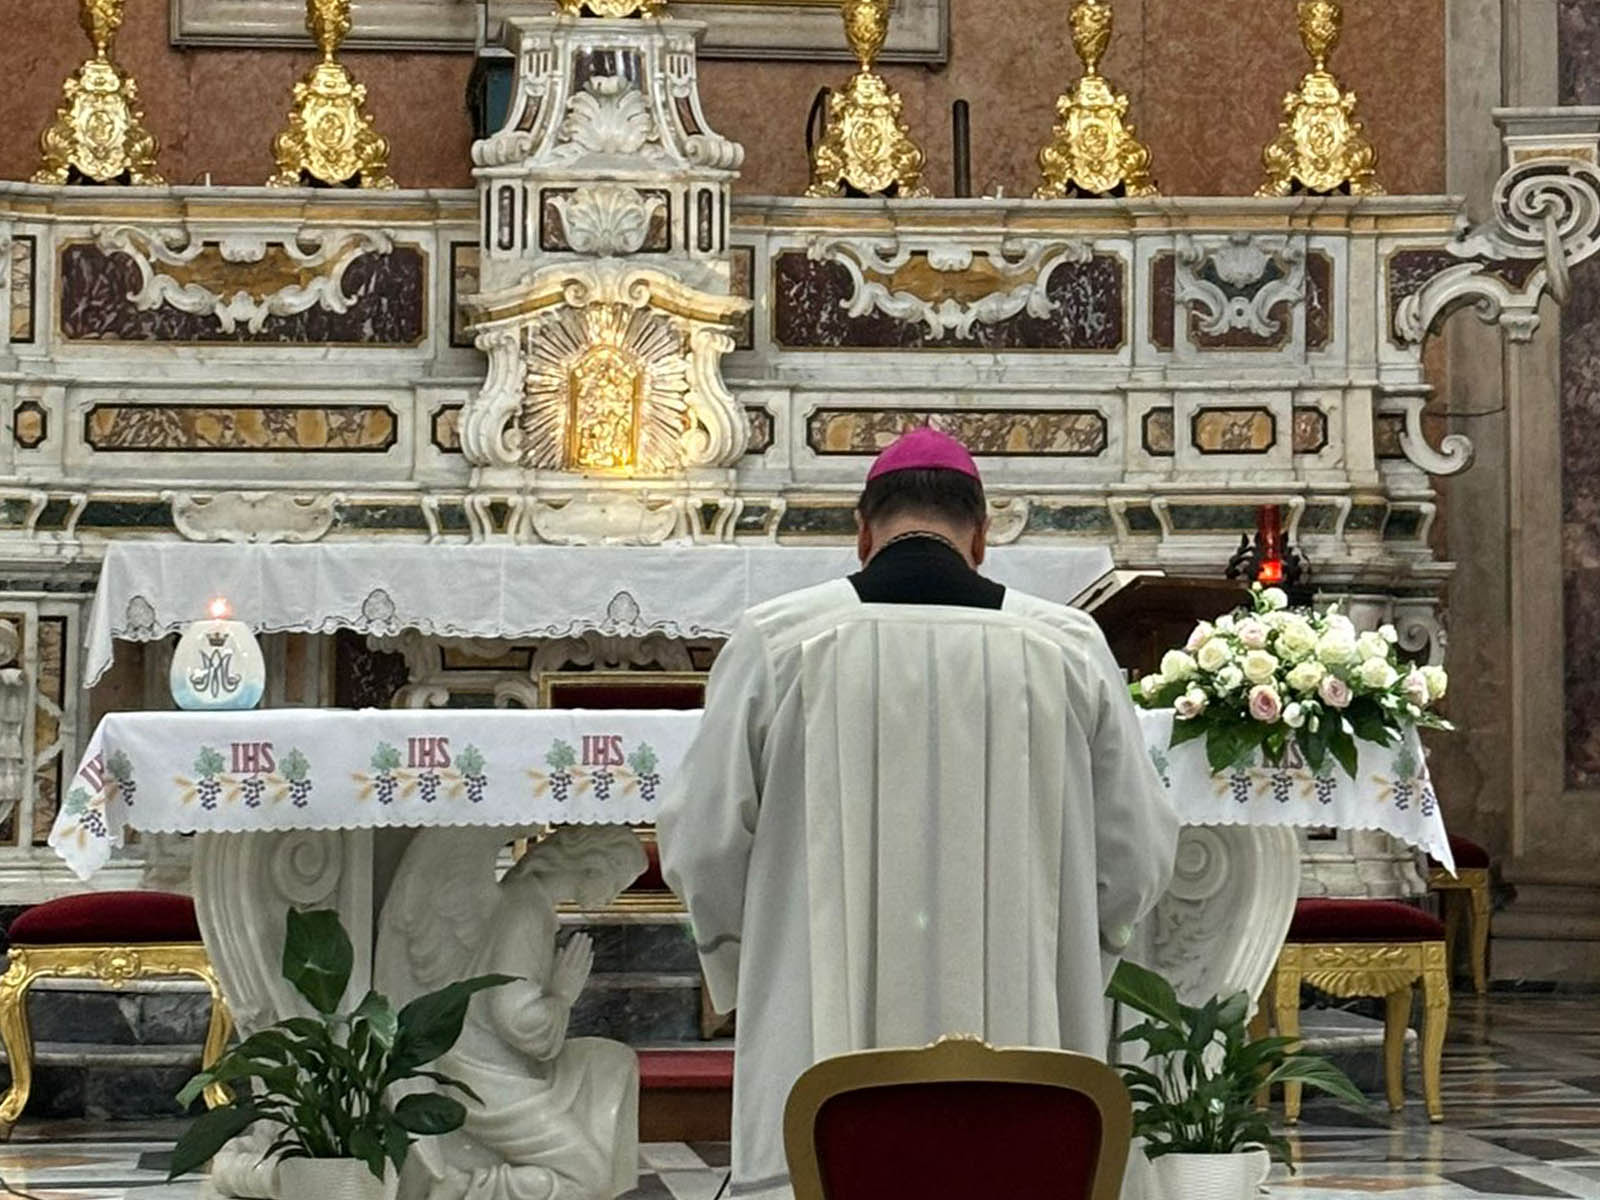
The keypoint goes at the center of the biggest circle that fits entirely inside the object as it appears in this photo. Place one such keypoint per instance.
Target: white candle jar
(218, 665)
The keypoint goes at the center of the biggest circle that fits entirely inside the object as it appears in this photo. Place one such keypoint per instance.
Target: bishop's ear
(863, 539)
(980, 542)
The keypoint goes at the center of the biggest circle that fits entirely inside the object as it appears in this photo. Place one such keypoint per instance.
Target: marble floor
(1522, 1108)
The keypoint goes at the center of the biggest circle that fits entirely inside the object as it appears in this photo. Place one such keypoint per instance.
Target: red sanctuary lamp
(1269, 560)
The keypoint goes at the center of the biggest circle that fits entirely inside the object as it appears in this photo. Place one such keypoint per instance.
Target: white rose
(1334, 691)
(1372, 645)
(1296, 638)
(1252, 633)
(1214, 655)
(1438, 682)
(1259, 666)
(1389, 634)
(1416, 689)
(1202, 632)
(1150, 686)
(1225, 623)
(1307, 675)
(1230, 679)
(1176, 666)
(1337, 622)
(1190, 705)
(1337, 647)
(1275, 598)
(1376, 673)
(1294, 716)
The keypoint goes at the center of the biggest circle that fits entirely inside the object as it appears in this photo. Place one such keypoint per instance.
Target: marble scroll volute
(605, 306)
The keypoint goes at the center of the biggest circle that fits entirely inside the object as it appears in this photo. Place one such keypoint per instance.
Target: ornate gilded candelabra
(329, 139)
(1093, 150)
(1320, 146)
(612, 9)
(867, 147)
(98, 134)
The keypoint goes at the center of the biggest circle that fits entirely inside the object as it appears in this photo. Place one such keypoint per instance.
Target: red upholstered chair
(1466, 895)
(1368, 948)
(958, 1118)
(113, 937)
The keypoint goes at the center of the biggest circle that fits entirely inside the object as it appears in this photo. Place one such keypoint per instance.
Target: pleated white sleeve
(708, 819)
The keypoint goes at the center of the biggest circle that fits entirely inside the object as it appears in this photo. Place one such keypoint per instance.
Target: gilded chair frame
(114, 966)
(958, 1060)
(1387, 969)
(1474, 883)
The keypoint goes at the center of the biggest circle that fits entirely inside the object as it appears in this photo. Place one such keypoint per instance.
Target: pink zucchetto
(924, 450)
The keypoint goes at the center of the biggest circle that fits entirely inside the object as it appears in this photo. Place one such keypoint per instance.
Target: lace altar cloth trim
(297, 768)
(152, 589)
(1391, 791)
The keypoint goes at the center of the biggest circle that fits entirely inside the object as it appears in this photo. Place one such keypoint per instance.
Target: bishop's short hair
(952, 496)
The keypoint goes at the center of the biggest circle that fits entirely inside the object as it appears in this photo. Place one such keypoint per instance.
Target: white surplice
(903, 821)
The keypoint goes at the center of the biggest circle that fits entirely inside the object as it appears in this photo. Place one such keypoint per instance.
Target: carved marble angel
(558, 1118)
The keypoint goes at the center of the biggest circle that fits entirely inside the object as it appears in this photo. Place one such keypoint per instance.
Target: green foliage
(208, 764)
(561, 756)
(643, 761)
(470, 761)
(385, 758)
(120, 767)
(1197, 1093)
(325, 1082)
(295, 766)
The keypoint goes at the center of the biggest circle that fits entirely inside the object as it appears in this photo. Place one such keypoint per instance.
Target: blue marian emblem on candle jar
(218, 664)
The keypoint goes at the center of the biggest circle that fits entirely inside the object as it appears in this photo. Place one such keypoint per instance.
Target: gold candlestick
(1320, 146)
(867, 147)
(611, 8)
(329, 139)
(98, 134)
(1093, 150)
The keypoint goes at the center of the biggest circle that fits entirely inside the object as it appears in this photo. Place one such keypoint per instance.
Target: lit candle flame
(220, 609)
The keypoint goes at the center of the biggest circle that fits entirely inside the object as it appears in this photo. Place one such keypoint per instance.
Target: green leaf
(367, 1145)
(429, 1114)
(210, 1133)
(1343, 748)
(1145, 991)
(318, 958)
(1319, 1073)
(380, 1018)
(1188, 731)
(430, 1024)
(1314, 745)
(396, 1142)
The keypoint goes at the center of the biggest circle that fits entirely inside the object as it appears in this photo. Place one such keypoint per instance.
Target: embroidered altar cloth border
(297, 768)
(149, 590)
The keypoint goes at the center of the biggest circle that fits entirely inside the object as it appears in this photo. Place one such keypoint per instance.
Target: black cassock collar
(924, 569)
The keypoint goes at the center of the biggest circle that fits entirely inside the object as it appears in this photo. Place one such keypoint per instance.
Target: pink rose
(1266, 705)
(1202, 633)
(1415, 688)
(1334, 691)
(1252, 633)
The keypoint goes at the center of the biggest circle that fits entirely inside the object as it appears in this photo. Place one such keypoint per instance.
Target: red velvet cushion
(699, 1070)
(1468, 854)
(925, 1141)
(1362, 921)
(108, 918)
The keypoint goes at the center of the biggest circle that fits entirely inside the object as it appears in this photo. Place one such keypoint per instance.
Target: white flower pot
(1210, 1176)
(331, 1179)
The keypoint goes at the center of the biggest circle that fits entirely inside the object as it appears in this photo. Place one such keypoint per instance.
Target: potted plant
(1195, 1098)
(326, 1082)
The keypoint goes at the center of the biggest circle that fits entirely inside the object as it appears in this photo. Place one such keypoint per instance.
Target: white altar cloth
(148, 590)
(319, 769)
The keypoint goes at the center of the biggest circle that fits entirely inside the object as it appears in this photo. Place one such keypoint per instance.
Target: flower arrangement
(1267, 678)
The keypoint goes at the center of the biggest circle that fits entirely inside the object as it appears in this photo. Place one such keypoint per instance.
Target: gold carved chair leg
(1478, 931)
(1435, 1019)
(1285, 993)
(1396, 1020)
(1260, 1027)
(1450, 904)
(14, 986)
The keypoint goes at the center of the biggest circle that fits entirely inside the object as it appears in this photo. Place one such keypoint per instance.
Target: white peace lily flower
(1372, 645)
(1259, 666)
(1296, 638)
(1229, 679)
(1337, 647)
(1377, 673)
(1150, 686)
(1202, 632)
(1307, 675)
(1214, 655)
(1294, 716)
(1176, 666)
(1438, 682)
(1190, 705)
(1252, 633)
(1275, 598)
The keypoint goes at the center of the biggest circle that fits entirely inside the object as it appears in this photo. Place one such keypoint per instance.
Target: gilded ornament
(1094, 150)
(1320, 146)
(867, 149)
(98, 134)
(330, 140)
(611, 9)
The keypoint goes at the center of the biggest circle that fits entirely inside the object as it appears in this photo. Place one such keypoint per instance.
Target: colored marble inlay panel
(819, 520)
(1233, 431)
(23, 268)
(1410, 271)
(1071, 433)
(464, 259)
(30, 425)
(742, 264)
(763, 430)
(267, 428)
(1319, 301)
(1159, 435)
(1386, 431)
(1163, 300)
(1069, 518)
(447, 429)
(810, 298)
(385, 296)
(408, 518)
(1310, 430)
(50, 682)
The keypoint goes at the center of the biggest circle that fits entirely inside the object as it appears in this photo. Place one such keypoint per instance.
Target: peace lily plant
(325, 1083)
(1268, 678)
